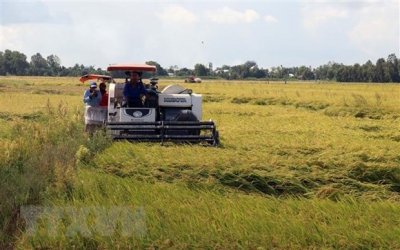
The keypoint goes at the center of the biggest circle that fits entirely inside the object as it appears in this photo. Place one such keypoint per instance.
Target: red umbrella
(94, 77)
(135, 67)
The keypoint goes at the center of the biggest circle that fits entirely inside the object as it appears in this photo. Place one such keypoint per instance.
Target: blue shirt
(94, 101)
(134, 92)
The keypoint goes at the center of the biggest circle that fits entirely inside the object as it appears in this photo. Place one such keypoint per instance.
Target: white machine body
(173, 96)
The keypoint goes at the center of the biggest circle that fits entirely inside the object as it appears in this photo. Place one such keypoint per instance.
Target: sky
(180, 34)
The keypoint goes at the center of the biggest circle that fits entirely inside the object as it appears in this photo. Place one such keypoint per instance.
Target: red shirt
(104, 100)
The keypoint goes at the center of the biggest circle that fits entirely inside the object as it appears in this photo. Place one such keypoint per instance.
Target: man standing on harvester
(92, 96)
(93, 115)
(133, 92)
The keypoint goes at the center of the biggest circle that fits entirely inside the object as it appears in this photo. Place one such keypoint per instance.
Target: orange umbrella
(94, 77)
(135, 67)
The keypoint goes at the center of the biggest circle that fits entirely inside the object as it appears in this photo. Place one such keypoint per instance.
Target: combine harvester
(192, 79)
(172, 114)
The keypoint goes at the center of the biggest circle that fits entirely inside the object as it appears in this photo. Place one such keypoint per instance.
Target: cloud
(91, 32)
(16, 13)
(177, 14)
(270, 19)
(318, 14)
(28, 12)
(377, 30)
(369, 28)
(228, 15)
(9, 38)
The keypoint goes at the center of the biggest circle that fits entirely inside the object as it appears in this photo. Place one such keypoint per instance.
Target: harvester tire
(188, 116)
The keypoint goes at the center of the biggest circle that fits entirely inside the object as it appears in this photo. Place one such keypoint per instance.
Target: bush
(37, 154)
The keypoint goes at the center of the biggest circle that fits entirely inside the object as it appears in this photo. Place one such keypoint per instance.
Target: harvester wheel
(189, 116)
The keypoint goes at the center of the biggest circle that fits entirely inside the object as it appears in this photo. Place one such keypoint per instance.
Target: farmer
(104, 93)
(134, 90)
(94, 114)
(92, 96)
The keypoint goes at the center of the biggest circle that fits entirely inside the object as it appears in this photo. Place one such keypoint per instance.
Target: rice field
(301, 165)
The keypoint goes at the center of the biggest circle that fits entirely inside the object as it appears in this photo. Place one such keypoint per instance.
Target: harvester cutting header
(172, 114)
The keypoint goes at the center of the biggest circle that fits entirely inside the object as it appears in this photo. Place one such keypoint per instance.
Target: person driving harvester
(133, 91)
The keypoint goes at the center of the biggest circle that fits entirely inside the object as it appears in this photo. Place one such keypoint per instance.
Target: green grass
(301, 165)
(181, 216)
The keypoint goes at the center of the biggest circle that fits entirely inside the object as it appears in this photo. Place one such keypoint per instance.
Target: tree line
(15, 63)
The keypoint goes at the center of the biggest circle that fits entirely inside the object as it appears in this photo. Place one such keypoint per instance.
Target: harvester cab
(172, 114)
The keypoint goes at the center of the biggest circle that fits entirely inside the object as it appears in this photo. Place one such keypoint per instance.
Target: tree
(64, 71)
(7, 57)
(173, 69)
(184, 72)
(39, 65)
(381, 71)
(356, 73)
(248, 69)
(258, 73)
(224, 71)
(14, 63)
(200, 70)
(250, 64)
(54, 63)
(341, 75)
(77, 70)
(19, 63)
(305, 73)
(393, 68)
(327, 71)
(2, 64)
(160, 71)
(368, 70)
(240, 71)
